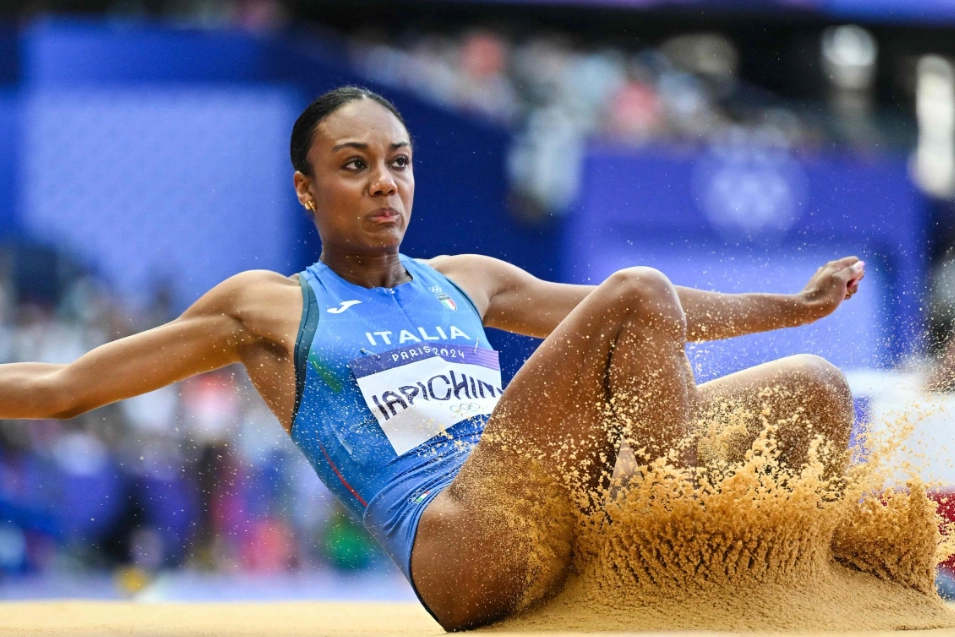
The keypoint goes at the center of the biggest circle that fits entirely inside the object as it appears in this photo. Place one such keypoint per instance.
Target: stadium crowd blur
(671, 92)
(198, 474)
(561, 94)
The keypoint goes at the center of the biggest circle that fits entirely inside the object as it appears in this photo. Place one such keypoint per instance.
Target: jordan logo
(344, 306)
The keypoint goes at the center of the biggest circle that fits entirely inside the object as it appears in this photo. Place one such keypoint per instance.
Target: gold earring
(310, 205)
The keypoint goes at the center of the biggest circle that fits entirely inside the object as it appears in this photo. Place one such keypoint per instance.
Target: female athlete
(378, 367)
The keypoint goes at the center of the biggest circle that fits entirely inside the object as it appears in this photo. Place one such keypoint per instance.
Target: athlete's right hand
(832, 284)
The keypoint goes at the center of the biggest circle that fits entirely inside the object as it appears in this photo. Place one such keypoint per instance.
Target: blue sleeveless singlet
(393, 388)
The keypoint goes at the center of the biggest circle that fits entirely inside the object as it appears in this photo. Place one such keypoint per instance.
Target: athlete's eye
(402, 161)
(355, 163)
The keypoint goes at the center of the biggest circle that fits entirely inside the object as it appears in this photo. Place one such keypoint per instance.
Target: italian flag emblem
(447, 301)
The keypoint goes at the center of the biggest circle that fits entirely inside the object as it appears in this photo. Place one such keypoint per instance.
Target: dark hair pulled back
(318, 110)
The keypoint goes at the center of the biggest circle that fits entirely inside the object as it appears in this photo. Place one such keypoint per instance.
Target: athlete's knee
(647, 295)
(821, 371)
(824, 381)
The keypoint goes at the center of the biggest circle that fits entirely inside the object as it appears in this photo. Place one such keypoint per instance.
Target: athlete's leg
(804, 396)
(625, 342)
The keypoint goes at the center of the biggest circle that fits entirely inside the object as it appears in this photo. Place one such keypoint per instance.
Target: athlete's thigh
(497, 539)
(557, 399)
(499, 536)
(474, 564)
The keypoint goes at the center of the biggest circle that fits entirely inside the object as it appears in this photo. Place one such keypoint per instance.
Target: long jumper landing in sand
(740, 509)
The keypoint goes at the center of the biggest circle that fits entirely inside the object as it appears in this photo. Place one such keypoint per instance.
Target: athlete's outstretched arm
(511, 299)
(712, 316)
(207, 336)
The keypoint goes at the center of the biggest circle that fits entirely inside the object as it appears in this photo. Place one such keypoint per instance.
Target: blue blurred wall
(9, 129)
(459, 163)
(182, 184)
(9, 53)
(745, 218)
(9, 132)
(72, 53)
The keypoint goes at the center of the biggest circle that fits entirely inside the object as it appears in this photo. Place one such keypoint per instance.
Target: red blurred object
(269, 548)
(635, 110)
(946, 511)
(483, 55)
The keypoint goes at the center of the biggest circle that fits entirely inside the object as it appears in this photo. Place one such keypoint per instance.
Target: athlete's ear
(303, 186)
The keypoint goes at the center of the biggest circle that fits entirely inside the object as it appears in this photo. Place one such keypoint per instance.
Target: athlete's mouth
(384, 215)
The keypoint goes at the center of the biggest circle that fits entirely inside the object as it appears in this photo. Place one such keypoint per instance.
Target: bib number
(418, 392)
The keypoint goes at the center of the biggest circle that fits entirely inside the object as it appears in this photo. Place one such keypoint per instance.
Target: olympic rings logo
(464, 408)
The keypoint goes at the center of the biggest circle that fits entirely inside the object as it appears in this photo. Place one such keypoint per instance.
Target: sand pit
(322, 619)
(749, 543)
(88, 619)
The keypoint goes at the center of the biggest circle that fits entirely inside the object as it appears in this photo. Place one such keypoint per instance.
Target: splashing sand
(751, 545)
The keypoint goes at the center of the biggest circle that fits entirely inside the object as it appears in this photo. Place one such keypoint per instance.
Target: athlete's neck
(368, 271)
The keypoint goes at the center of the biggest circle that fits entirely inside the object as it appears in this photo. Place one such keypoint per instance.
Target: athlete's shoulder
(448, 264)
(480, 276)
(267, 303)
(253, 296)
(265, 278)
(253, 284)
(476, 268)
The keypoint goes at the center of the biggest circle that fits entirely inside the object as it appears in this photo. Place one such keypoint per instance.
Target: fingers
(841, 274)
(838, 265)
(847, 275)
(852, 271)
(844, 262)
(853, 286)
(856, 271)
(849, 266)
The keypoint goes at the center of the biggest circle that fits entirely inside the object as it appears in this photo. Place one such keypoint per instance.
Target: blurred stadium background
(734, 145)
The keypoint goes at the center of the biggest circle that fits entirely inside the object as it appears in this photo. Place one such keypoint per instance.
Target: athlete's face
(362, 184)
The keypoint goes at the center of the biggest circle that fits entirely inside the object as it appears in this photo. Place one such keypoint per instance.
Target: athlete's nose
(383, 184)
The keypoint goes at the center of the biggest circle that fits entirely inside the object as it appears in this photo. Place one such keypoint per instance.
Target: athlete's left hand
(832, 284)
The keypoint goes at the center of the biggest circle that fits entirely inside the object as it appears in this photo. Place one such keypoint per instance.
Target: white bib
(418, 392)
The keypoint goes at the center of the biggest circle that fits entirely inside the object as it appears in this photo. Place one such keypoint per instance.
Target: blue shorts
(392, 515)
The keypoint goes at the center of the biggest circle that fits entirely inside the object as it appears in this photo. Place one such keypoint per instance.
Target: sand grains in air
(748, 543)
